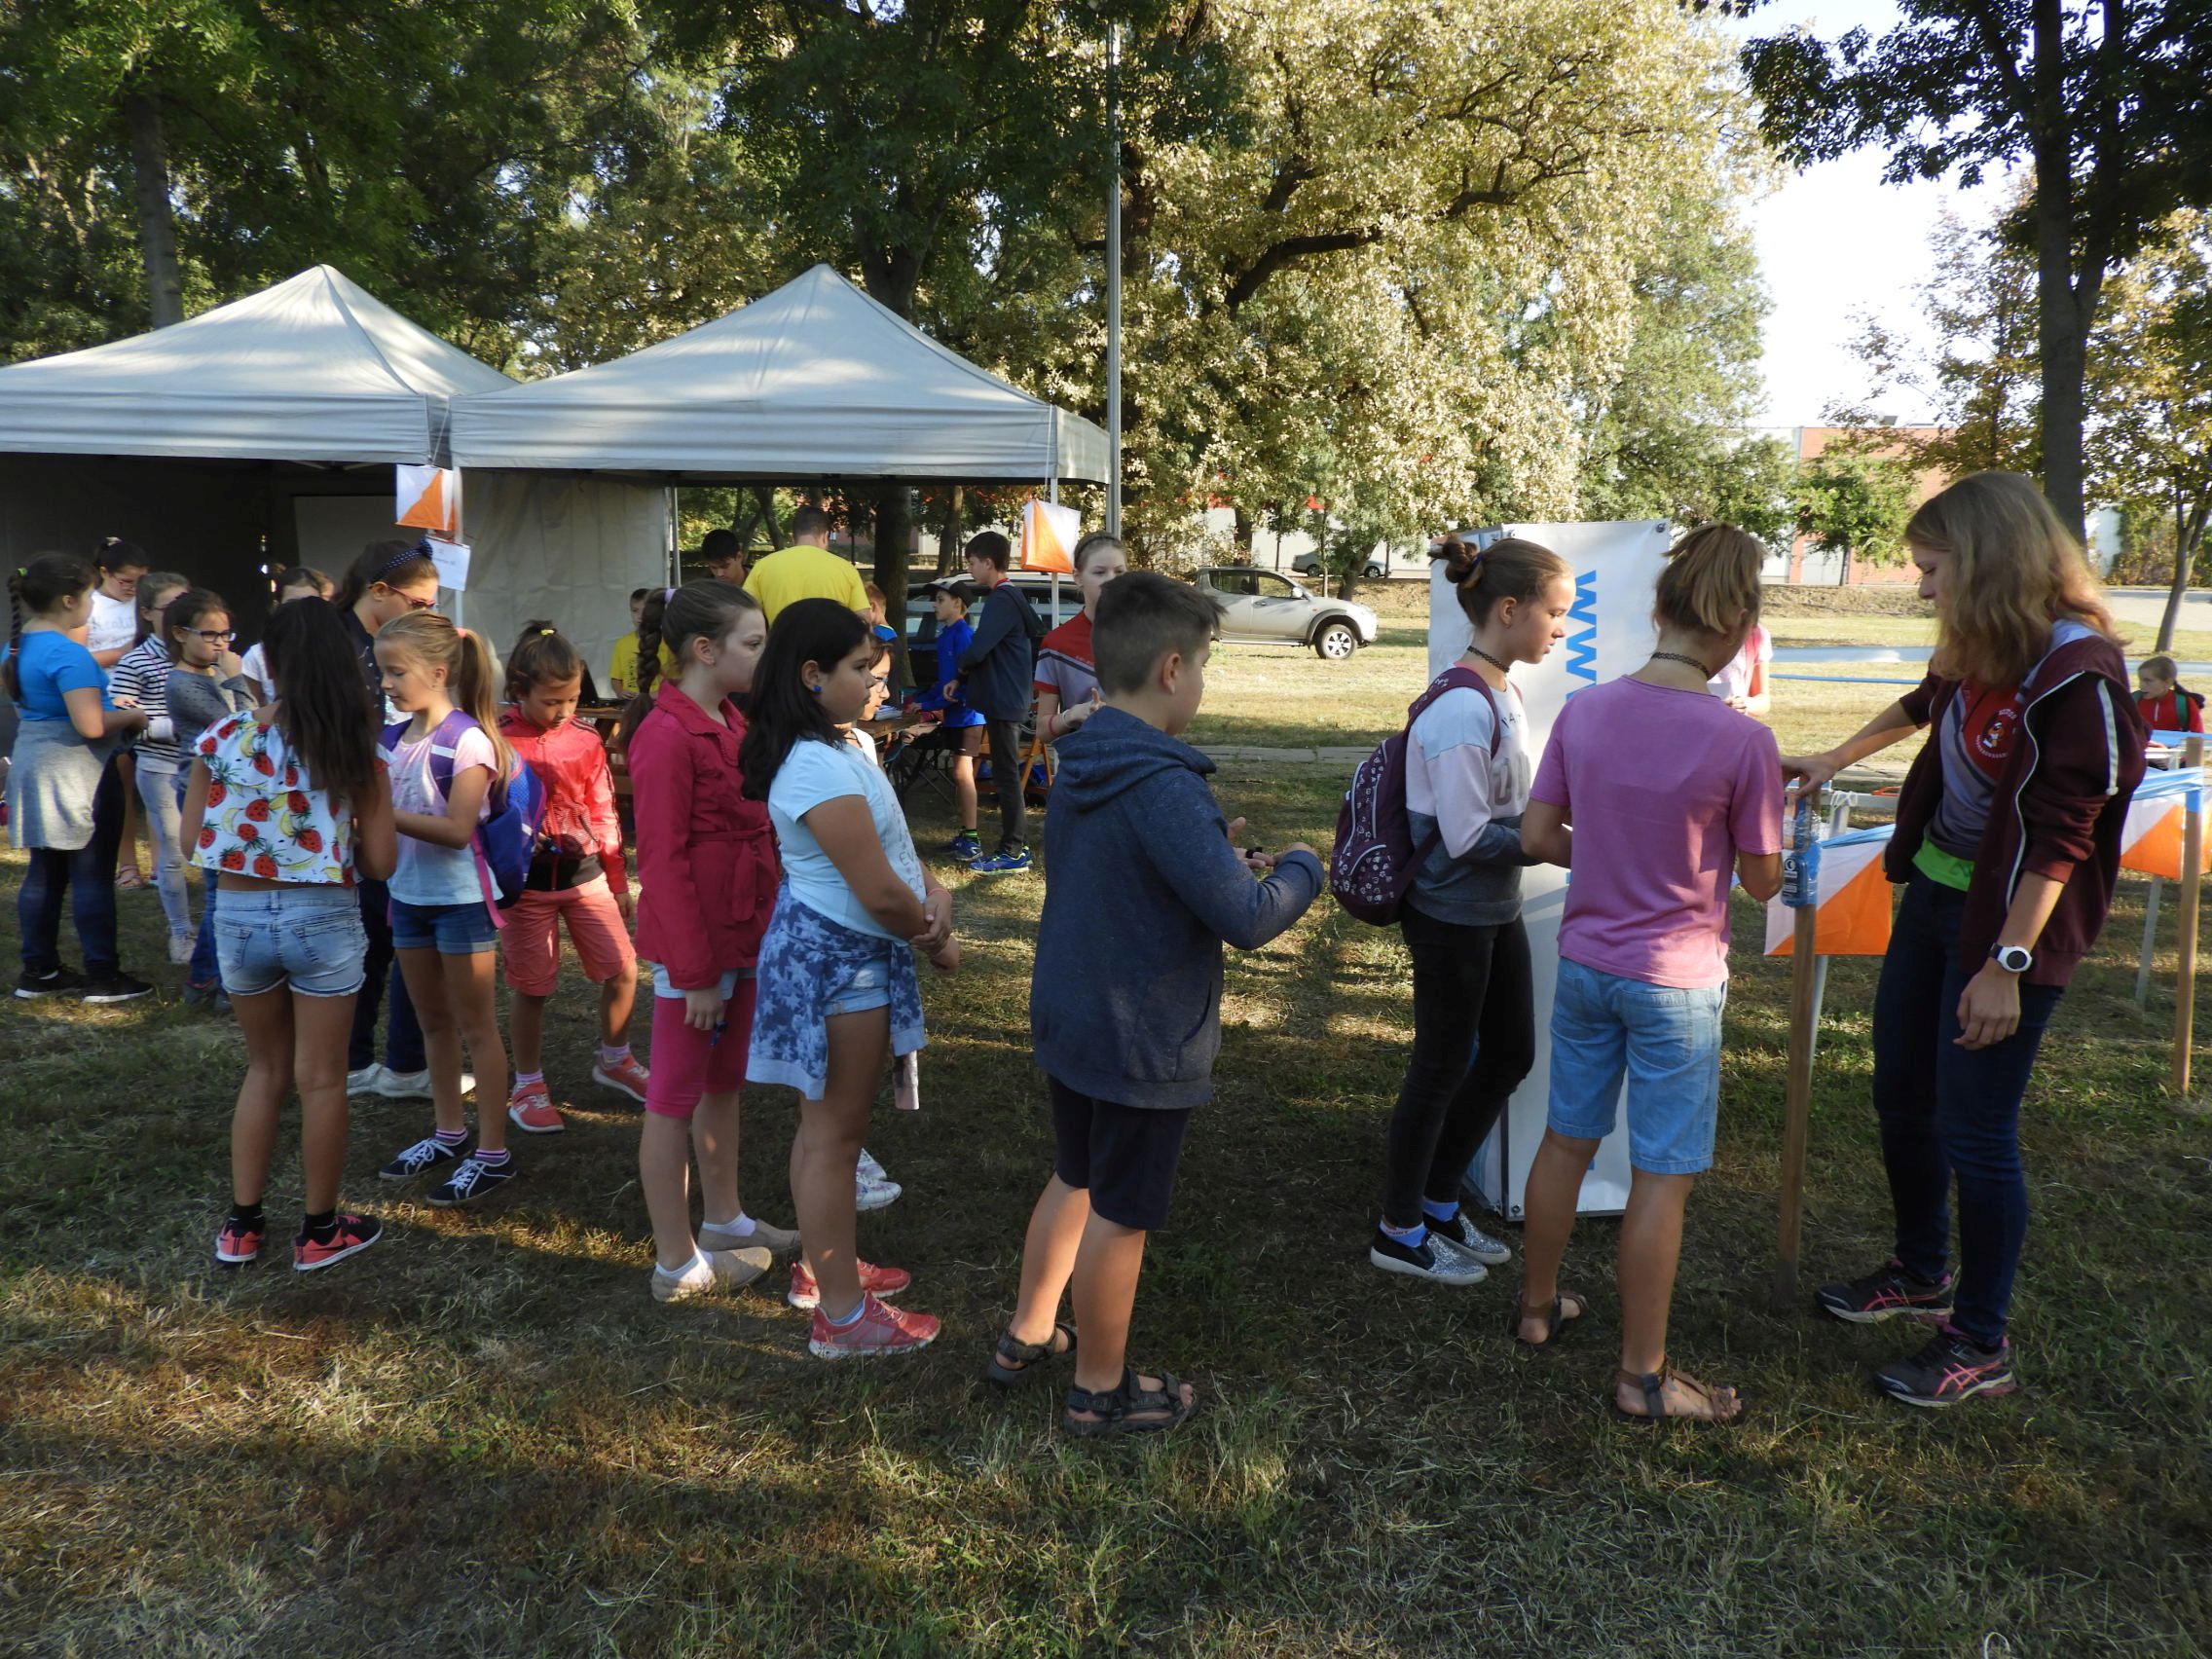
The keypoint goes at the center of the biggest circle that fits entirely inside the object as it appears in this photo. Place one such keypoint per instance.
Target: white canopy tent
(264, 431)
(815, 381)
(311, 370)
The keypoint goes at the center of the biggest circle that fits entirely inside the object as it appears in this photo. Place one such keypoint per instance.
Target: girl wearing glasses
(205, 687)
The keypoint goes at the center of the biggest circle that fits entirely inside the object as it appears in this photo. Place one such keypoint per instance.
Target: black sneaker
(428, 1152)
(1949, 1369)
(1471, 1240)
(116, 988)
(1434, 1259)
(473, 1180)
(61, 982)
(1886, 1293)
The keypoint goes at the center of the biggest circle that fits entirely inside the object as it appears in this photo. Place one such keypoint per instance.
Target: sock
(319, 1227)
(246, 1218)
(450, 1137)
(610, 1058)
(742, 1228)
(523, 1080)
(1412, 1237)
(698, 1264)
(851, 1319)
(493, 1159)
(1444, 1211)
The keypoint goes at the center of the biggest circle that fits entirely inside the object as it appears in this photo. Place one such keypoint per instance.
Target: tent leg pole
(1797, 1105)
(2150, 943)
(2191, 884)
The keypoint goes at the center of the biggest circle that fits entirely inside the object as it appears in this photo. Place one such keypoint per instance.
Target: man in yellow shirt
(806, 569)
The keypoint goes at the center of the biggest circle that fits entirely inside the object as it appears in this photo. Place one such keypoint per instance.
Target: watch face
(2014, 959)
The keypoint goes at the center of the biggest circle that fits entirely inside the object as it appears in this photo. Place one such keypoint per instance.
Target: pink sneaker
(627, 1076)
(879, 1330)
(874, 1281)
(531, 1110)
(234, 1246)
(353, 1234)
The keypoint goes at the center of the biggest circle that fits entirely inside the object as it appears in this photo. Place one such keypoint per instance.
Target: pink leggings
(687, 1063)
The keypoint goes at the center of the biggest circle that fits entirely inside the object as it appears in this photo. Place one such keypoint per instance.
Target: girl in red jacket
(578, 872)
(2008, 846)
(707, 867)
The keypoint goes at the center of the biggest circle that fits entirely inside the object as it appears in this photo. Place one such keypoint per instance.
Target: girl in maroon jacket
(707, 873)
(2008, 845)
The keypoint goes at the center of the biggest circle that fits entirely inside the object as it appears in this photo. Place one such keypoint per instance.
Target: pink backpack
(1375, 859)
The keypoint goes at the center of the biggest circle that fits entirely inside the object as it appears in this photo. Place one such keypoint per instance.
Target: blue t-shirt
(951, 640)
(812, 773)
(49, 664)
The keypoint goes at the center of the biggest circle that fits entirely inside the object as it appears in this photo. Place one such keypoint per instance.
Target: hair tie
(667, 594)
(546, 632)
(460, 633)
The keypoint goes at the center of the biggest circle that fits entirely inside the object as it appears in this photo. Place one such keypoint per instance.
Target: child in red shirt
(577, 875)
(2161, 701)
(707, 864)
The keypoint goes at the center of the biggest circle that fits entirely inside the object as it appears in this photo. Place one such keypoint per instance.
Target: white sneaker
(867, 1168)
(180, 949)
(874, 1194)
(415, 1085)
(726, 1270)
(776, 1241)
(369, 1080)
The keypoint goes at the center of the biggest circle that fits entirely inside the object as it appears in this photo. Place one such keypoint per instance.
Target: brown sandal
(1556, 1317)
(1653, 1383)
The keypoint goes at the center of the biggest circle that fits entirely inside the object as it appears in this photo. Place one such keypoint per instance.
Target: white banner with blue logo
(1609, 634)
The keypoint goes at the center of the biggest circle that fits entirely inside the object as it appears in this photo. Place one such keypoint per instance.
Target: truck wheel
(1336, 641)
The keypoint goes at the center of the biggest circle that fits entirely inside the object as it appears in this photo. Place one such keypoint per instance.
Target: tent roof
(312, 370)
(813, 381)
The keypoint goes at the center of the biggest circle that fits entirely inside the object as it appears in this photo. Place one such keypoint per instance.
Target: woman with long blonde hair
(2007, 851)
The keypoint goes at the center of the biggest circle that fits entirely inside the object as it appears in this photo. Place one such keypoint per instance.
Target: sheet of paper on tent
(428, 498)
(452, 561)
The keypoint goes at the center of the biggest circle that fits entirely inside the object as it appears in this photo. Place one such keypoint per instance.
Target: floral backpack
(1376, 858)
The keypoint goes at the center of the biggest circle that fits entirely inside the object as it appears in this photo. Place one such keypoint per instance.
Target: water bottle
(1801, 861)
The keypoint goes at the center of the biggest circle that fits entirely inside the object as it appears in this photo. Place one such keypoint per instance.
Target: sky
(1835, 242)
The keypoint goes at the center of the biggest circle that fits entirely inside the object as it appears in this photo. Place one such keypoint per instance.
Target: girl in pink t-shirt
(1655, 791)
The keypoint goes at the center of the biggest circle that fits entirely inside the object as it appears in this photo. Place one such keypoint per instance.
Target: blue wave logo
(1582, 647)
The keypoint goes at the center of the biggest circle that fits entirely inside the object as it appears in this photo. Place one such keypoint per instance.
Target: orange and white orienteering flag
(1852, 914)
(1049, 534)
(428, 498)
(2151, 843)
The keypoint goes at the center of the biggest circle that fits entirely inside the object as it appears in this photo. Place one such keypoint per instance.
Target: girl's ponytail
(474, 682)
(652, 618)
(37, 588)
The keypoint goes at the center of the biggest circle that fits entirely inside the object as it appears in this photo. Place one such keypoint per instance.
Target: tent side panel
(567, 549)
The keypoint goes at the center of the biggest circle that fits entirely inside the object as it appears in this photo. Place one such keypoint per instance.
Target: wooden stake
(1796, 1105)
(2191, 882)
(1797, 1094)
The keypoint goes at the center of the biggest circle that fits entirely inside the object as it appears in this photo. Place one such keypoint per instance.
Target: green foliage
(1856, 503)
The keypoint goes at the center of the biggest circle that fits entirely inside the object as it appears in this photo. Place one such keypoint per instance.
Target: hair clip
(546, 632)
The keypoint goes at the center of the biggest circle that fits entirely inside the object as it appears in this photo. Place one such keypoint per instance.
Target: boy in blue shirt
(962, 730)
(1144, 884)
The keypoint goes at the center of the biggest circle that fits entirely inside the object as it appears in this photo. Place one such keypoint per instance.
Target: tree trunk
(157, 225)
(2063, 306)
(948, 538)
(765, 499)
(2187, 537)
(894, 522)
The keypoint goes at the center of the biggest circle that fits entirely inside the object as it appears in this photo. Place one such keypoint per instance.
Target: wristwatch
(2012, 958)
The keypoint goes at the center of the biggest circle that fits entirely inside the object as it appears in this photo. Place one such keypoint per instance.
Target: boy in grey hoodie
(1144, 885)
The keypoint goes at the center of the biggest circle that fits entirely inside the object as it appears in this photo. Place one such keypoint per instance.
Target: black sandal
(1015, 1362)
(1127, 1409)
(1654, 1386)
(1556, 1318)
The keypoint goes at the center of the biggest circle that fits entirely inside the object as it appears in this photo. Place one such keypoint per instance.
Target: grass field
(484, 1438)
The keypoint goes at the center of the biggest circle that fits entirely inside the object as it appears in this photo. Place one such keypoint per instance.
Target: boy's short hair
(989, 544)
(2160, 667)
(638, 595)
(1141, 617)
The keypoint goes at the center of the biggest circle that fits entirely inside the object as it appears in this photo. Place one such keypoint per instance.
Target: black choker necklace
(1704, 672)
(1477, 651)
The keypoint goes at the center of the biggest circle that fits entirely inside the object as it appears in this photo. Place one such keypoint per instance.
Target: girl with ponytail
(444, 760)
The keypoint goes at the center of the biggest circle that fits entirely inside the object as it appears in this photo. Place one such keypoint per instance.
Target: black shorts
(1125, 1154)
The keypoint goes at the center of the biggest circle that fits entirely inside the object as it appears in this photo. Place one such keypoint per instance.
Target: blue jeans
(403, 1042)
(1664, 1038)
(203, 974)
(1948, 1111)
(86, 877)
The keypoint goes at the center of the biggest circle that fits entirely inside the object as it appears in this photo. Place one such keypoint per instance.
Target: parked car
(1411, 560)
(1264, 607)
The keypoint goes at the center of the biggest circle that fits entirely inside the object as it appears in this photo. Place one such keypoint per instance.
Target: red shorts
(533, 937)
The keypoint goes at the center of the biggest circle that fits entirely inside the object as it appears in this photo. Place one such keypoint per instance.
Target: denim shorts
(309, 935)
(868, 987)
(452, 930)
(1665, 1039)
